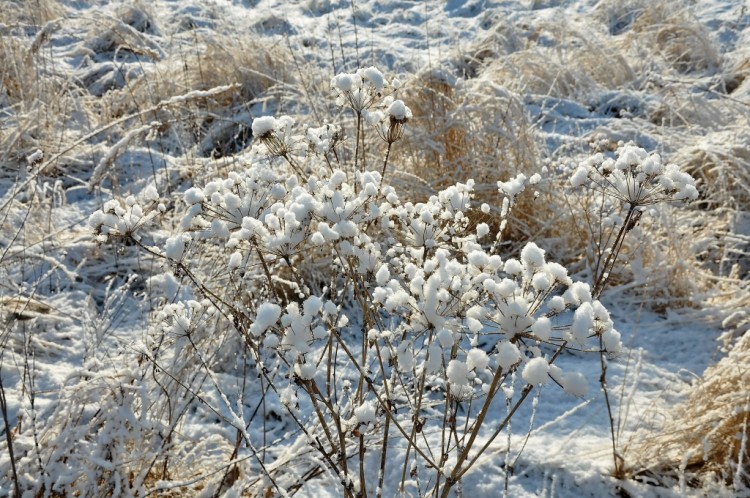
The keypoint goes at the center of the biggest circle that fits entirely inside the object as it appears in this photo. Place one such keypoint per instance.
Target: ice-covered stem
(600, 284)
(384, 448)
(267, 272)
(478, 423)
(459, 472)
(383, 453)
(362, 479)
(360, 145)
(385, 161)
(618, 461)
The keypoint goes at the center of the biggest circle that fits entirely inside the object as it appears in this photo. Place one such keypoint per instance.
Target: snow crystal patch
(583, 322)
(267, 315)
(535, 371)
(365, 413)
(508, 355)
(579, 177)
(611, 341)
(193, 195)
(445, 338)
(399, 111)
(174, 247)
(263, 125)
(476, 359)
(575, 384)
(542, 328)
(374, 76)
(532, 255)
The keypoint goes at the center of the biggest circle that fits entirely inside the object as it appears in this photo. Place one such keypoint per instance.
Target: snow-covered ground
(103, 100)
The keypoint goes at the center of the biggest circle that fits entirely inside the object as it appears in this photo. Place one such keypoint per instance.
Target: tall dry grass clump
(706, 437)
(32, 12)
(220, 125)
(34, 96)
(722, 161)
(476, 128)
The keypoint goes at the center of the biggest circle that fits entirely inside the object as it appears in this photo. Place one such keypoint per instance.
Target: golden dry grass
(480, 131)
(33, 12)
(721, 160)
(707, 435)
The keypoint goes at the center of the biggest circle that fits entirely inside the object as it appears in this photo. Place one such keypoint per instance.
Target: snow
(575, 384)
(268, 314)
(263, 125)
(134, 83)
(579, 177)
(508, 354)
(399, 111)
(542, 328)
(535, 371)
(513, 267)
(365, 413)
(476, 359)
(174, 248)
(193, 195)
(532, 255)
(375, 77)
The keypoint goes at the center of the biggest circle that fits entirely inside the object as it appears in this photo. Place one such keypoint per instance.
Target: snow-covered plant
(372, 321)
(424, 313)
(625, 185)
(369, 95)
(124, 220)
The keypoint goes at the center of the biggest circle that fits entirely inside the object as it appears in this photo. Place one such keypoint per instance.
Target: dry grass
(674, 34)
(31, 12)
(220, 125)
(479, 130)
(707, 436)
(671, 259)
(38, 101)
(537, 71)
(721, 160)
(572, 69)
(254, 66)
(668, 30)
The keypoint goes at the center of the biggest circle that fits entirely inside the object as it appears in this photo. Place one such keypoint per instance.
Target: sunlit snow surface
(568, 451)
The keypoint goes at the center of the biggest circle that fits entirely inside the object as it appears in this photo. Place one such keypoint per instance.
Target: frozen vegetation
(375, 248)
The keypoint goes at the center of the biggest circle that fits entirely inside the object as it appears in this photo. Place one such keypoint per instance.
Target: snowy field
(335, 248)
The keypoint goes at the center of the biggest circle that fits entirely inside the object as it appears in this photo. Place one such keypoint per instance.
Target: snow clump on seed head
(636, 177)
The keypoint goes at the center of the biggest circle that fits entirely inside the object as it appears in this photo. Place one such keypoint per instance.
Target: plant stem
(9, 437)
(385, 162)
(599, 287)
(618, 461)
(609, 264)
(459, 472)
